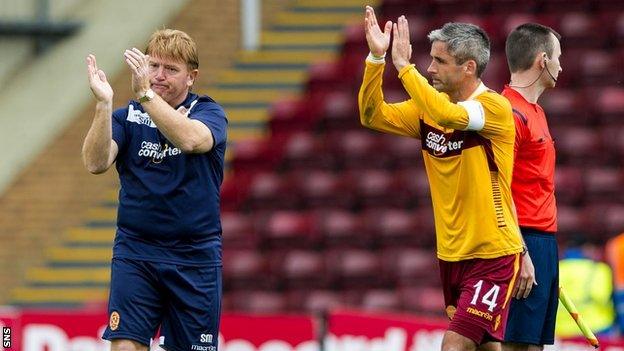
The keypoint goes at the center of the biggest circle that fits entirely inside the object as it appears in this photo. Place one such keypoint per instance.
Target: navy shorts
(532, 320)
(184, 301)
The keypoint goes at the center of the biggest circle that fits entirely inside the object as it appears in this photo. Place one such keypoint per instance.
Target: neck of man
(178, 100)
(532, 92)
(464, 91)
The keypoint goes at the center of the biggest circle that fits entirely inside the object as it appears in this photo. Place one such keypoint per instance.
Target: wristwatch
(148, 96)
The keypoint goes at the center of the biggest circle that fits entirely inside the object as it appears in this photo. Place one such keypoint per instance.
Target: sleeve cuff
(405, 69)
(372, 59)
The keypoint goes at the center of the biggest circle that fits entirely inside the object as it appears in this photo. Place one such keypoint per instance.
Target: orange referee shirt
(533, 182)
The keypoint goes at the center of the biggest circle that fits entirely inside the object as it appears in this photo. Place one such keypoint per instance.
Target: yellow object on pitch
(569, 306)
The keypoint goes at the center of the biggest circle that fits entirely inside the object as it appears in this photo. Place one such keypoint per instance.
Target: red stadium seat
(608, 5)
(515, 19)
(496, 73)
(419, 27)
(411, 266)
(406, 152)
(446, 7)
(354, 37)
(302, 269)
(571, 62)
(259, 301)
(244, 269)
(392, 9)
(238, 231)
(603, 185)
(415, 184)
(614, 220)
(609, 104)
(288, 229)
(578, 146)
(578, 29)
(570, 220)
(340, 112)
(423, 300)
(342, 228)
(234, 191)
(252, 156)
(618, 30)
(569, 187)
(305, 151)
(565, 107)
(501, 7)
(422, 60)
(353, 268)
(613, 141)
(563, 6)
(373, 189)
(381, 300)
(325, 76)
(322, 189)
(605, 220)
(398, 228)
(318, 301)
(270, 190)
(598, 68)
(290, 115)
(356, 148)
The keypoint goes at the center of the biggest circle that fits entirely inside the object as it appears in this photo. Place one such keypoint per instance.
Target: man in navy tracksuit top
(168, 146)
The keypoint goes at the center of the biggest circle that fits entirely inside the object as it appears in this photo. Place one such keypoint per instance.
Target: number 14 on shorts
(489, 298)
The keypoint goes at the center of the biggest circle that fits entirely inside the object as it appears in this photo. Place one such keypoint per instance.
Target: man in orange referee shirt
(533, 52)
(467, 133)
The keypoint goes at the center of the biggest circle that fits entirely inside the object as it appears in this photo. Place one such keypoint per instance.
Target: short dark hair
(526, 41)
(465, 42)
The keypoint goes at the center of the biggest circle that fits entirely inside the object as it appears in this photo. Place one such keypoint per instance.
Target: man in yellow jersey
(467, 133)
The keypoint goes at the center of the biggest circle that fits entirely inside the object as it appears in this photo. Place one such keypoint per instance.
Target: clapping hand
(139, 65)
(401, 47)
(378, 41)
(98, 83)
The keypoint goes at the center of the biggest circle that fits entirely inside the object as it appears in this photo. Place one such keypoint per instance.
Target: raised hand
(100, 87)
(401, 47)
(378, 41)
(139, 65)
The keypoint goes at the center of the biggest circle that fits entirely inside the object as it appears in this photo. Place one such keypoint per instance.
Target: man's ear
(470, 67)
(540, 60)
(191, 77)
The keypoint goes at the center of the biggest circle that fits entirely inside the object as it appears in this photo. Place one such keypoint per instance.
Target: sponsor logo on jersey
(157, 152)
(139, 117)
(440, 143)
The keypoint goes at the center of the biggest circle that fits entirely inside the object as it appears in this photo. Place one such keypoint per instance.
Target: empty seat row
(347, 268)
(424, 300)
(329, 228)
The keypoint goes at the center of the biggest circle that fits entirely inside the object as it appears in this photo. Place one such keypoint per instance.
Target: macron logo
(139, 117)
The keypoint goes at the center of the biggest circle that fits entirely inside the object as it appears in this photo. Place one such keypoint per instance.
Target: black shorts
(532, 320)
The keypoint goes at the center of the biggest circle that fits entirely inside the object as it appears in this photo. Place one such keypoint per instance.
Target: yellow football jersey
(468, 153)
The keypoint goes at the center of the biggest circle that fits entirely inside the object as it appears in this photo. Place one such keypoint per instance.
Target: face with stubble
(447, 76)
(170, 79)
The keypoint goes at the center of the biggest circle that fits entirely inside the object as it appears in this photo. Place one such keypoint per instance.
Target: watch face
(149, 95)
